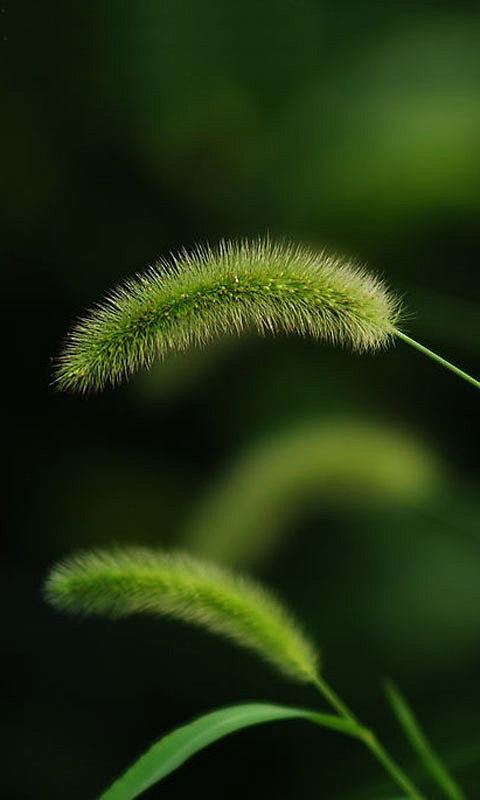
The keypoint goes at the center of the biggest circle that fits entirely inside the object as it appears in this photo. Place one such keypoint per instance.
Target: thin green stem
(332, 697)
(370, 740)
(391, 766)
(439, 359)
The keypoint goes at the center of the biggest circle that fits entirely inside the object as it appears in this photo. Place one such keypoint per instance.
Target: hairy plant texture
(123, 582)
(250, 285)
(339, 463)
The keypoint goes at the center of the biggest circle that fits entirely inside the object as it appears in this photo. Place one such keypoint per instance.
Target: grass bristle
(236, 287)
(119, 583)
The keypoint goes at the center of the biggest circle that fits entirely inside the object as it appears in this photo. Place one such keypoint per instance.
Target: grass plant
(124, 582)
(345, 463)
(190, 301)
(199, 296)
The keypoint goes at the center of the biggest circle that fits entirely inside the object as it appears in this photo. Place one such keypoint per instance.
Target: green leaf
(175, 748)
(419, 742)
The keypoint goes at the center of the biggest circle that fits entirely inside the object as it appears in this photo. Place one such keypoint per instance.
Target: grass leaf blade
(177, 747)
(419, 742)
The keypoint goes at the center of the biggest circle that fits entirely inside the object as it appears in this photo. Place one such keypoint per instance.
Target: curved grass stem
(437, 358)
(370, 740)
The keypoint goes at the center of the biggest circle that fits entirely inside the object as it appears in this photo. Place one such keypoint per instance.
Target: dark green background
(129, 130)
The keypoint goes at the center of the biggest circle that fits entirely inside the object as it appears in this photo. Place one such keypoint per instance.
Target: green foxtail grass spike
(336, 463)
(236, 287)
(119, 583)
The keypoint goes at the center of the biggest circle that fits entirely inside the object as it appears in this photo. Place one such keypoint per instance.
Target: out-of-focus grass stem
(381, 754)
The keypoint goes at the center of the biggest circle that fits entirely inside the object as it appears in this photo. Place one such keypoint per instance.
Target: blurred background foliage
(130, 130)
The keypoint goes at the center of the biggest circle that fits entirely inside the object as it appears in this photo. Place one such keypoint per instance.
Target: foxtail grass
(117, 583)
(123, 582)
(339, 464)
(198, 296)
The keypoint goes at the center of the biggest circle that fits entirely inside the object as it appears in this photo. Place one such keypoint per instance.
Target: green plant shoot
(270, 288)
